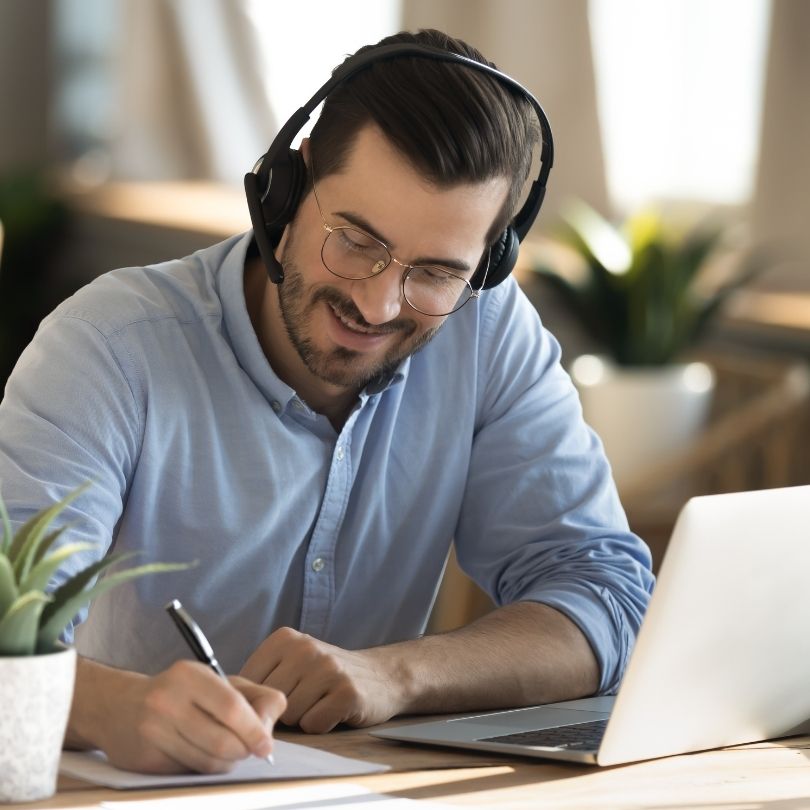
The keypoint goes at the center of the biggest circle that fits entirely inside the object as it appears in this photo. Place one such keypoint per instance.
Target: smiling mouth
(353, 326)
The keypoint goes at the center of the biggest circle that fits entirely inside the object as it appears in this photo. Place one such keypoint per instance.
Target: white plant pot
(642, 414)
(35, 696)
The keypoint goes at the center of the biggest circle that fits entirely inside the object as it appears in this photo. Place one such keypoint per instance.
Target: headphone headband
(282, 167)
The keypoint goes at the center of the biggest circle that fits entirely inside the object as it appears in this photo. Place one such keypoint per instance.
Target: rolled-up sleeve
(541, 519)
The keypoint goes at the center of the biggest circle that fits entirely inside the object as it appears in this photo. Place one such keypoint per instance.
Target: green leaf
(71, 597)
(28, 538)
(646, 310)
(8, 586)
(42, 571)
(18, 628)
(47, 542)
(603, 246)
(81, 580)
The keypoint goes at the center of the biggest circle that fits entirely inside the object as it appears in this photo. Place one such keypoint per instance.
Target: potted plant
(36, 670)
(644, 292)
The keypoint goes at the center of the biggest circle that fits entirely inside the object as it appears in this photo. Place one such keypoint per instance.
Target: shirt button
(340, 453)
(318, 564)
(276, 406)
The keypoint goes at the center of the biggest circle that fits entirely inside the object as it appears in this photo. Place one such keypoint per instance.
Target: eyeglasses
(353, 254)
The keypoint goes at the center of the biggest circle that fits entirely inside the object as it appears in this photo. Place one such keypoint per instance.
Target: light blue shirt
(151, 382)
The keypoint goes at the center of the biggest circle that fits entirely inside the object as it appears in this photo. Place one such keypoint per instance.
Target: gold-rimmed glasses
(350, 253)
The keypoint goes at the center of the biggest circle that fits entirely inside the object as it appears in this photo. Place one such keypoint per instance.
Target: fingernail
(264, 749)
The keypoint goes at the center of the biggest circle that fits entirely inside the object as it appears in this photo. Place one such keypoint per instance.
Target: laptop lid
(723, 655)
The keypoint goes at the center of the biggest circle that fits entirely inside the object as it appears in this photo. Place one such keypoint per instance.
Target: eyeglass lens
(352, 254)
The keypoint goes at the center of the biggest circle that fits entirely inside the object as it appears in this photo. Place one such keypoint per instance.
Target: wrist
(400, 665)
(97, 701)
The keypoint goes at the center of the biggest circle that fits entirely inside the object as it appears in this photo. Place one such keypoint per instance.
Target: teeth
(351, 324)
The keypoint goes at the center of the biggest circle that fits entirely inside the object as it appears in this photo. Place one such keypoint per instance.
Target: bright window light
(303, 42)
(680, 85)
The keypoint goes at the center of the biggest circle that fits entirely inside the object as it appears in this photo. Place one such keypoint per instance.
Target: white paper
(345, 797)
(291, 762)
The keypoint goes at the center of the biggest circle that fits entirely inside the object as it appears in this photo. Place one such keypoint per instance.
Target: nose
(379, 298)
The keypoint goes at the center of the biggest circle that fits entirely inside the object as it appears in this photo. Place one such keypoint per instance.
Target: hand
(185, 718)
(326, 685)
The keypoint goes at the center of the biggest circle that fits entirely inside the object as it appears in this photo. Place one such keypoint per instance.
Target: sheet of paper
(345, 797)
(292, 762)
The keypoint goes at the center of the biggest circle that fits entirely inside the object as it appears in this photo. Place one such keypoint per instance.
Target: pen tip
(270, 759)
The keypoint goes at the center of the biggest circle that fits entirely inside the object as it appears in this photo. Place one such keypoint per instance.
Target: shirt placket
(319, 565)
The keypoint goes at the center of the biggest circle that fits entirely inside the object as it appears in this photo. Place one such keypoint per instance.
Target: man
(317, 443)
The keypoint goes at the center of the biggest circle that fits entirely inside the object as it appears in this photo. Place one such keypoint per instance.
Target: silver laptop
(722, 658)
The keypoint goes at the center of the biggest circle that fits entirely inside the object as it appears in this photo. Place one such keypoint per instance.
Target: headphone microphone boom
(276, 183)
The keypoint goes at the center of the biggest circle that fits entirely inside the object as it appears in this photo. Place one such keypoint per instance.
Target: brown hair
(453, 124)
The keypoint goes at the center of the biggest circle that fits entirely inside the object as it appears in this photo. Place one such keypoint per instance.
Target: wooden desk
(764, 776)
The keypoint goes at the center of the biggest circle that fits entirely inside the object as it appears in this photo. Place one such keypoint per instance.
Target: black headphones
(276, 183)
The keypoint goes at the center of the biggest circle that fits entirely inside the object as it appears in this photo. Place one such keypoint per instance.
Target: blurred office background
(675, 100)
(127, 126)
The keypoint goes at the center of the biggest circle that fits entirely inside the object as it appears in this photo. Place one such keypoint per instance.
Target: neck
(261, 297)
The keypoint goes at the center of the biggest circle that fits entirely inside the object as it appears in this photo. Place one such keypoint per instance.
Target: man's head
(349, 330)
(453, 124)
(425, 155)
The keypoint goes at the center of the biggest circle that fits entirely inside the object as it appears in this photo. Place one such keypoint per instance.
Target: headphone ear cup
(502, 259)
(288, 177)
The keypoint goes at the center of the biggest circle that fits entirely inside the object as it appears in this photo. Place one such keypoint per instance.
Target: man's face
(347, 332)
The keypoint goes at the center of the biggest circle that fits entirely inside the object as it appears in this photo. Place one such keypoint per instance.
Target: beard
(340, 366)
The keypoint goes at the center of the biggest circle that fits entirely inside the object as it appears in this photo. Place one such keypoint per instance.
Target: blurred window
(306, 40)
(300, 45)
(85, 33)
(679, 85)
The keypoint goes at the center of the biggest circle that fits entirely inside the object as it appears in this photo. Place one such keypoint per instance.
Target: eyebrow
(361, 223)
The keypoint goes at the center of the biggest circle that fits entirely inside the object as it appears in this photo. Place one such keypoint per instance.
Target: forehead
(409, 212)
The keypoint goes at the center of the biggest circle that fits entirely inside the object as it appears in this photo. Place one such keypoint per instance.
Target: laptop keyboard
(579, 736)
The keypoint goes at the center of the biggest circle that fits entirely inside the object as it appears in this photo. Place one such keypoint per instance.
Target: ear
(305, 150)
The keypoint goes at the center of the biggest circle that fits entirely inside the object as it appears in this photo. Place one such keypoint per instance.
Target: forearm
(97, 697)
(518, 655)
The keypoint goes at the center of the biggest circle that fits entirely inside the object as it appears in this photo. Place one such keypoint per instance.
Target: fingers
(321, 682)
(173, 752)
(279, 648)
(203, 722)
(303, 698)
(184, 718)
(262, 661)
(323, 715)
(267, 704)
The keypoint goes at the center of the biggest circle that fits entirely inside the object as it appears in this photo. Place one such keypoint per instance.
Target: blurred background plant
(34, 224)
(646, 290)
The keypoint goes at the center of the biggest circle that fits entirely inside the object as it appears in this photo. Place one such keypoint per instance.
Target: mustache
(346, 308)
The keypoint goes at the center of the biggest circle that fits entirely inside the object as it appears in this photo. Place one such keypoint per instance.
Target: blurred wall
(25, 75)
(545, 45)
(781, 204)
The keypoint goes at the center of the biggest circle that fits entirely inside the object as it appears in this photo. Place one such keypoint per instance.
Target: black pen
(197, 642)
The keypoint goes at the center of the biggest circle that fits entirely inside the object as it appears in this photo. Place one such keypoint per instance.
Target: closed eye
(435, 275)
(356, 241)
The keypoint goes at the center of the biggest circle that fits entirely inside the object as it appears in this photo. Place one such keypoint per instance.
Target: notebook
(722, 657)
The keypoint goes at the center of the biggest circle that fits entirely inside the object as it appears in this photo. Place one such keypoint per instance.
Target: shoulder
(184, 290)
(504, 330)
